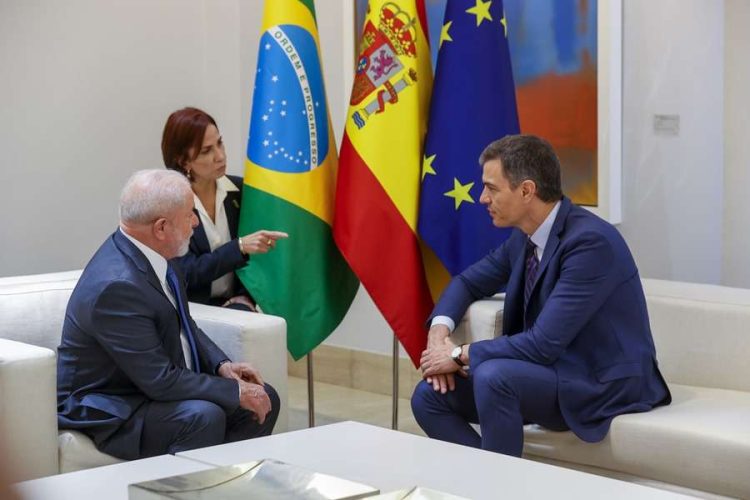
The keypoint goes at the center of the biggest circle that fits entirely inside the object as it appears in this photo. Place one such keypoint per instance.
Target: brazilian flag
(290, 182)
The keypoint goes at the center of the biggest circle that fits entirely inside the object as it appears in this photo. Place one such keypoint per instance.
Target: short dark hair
(527, 157)
(184, 131)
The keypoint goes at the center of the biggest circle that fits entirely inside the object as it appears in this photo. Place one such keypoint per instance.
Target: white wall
(736, 268)
(673, 186)
(86, 87)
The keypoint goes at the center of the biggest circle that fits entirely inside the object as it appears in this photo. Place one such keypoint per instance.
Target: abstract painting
(554, 54)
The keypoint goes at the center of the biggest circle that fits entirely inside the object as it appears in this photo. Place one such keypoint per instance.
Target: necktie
(182, 313)
(532, 264)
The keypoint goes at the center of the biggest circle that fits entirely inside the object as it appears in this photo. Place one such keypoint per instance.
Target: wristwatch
(456, 355)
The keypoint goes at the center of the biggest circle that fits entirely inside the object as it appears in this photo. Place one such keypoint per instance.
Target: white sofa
(32, 309)
(700, 444)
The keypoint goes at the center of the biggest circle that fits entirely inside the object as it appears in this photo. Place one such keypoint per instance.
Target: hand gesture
(260, 241)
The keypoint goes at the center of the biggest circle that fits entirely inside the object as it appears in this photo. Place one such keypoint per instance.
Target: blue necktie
(532, 264)
(182, 313)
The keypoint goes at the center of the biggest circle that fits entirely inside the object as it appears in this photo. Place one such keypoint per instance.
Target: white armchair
(32, 309)
(700, 444)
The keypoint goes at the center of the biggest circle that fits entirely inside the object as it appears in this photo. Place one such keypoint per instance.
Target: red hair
(184, 133)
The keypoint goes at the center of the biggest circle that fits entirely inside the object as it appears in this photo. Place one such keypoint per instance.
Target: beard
(184, 247)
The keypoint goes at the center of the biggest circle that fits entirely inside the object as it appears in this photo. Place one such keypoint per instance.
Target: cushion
(34, 312)
(701, 333)
(78, 452)
(482, 321)
(701, 441)
(28, 424)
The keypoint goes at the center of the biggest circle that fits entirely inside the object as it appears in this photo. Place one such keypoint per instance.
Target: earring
(189, 175)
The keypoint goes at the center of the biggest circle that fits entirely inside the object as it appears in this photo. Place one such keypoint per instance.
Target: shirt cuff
(444, 320)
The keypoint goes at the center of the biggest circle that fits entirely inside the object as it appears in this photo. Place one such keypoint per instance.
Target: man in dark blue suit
(134, 371)
(576, 349)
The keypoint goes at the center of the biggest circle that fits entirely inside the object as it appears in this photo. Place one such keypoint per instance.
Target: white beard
(183, 248)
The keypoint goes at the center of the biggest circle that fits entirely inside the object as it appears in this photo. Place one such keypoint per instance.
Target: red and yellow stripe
(377, 194)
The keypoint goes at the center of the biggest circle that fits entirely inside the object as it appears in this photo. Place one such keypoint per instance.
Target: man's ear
(159, 228)
(528, 189)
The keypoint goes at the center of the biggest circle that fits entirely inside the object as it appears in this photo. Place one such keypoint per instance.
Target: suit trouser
(172, 427)
(175, 426)
(501, 395)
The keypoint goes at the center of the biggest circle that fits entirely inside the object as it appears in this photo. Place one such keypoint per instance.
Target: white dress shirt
(539, 238)
(217, 232)
(159, 265)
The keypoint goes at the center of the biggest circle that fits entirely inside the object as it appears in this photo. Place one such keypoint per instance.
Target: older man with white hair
(134, 372)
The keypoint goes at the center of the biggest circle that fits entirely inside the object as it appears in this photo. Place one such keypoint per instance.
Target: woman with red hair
(191, 144)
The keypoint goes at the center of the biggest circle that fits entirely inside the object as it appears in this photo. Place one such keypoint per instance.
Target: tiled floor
(335, 403)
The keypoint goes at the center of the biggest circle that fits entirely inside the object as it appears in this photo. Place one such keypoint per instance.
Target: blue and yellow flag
(473, 103)
(290, 182)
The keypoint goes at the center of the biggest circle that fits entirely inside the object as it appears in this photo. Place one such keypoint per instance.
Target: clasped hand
(438, 368)
(253, 394)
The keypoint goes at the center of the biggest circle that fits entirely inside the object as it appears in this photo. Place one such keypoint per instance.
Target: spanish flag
(290, 182)
(377, 196)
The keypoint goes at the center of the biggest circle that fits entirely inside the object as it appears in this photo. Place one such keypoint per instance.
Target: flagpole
(310, 392)
(394, 420)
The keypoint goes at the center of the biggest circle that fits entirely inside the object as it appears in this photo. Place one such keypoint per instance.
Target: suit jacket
(588, 319)
(201, 266)
(121, 348)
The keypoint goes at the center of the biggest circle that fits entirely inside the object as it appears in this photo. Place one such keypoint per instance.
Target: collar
(158, 263)
(541, 235)
(223, 186)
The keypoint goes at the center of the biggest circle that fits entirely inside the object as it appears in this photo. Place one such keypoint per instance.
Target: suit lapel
(553, 241)
(199, 240)
(139, 260)
(172, 343)
(513, 312)
(232, 209)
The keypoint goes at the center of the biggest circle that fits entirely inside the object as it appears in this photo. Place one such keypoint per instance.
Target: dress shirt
(159, 265)
(217, 232)
(539, 238)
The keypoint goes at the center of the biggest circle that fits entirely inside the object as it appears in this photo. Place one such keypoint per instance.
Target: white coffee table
(106, 483)
(391, 460)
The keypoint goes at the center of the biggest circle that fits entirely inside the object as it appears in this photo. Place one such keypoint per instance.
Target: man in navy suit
(134, 371)
(576, 349)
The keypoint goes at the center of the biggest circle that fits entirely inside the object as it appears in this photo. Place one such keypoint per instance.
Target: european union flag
(473, 103)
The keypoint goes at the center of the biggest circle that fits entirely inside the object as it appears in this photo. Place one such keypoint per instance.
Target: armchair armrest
(482, 321)
(259, 339)
(28, 408)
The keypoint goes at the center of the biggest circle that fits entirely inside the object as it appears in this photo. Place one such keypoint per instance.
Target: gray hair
(151, 194)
